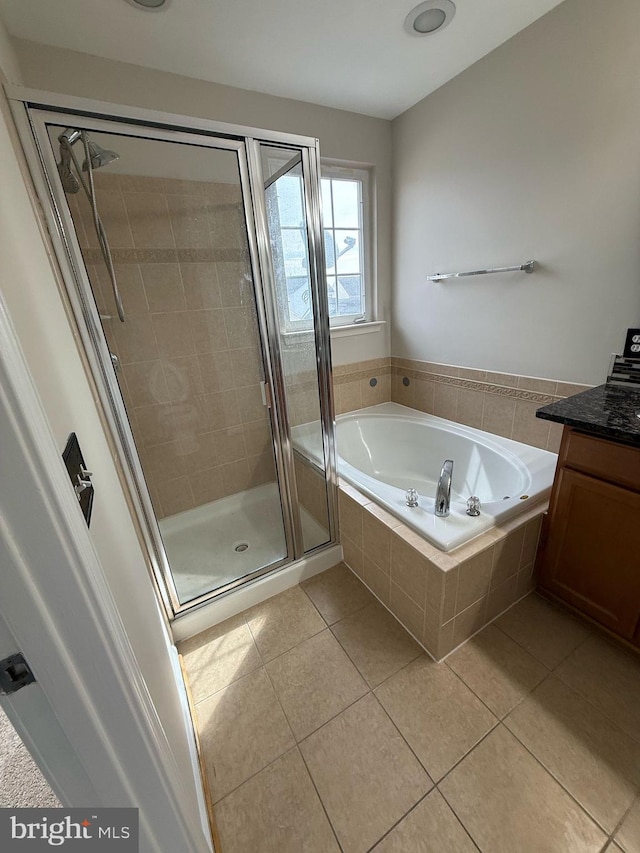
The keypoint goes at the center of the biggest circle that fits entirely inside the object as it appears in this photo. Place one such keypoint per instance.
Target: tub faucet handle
(411, 498)
(473, 506)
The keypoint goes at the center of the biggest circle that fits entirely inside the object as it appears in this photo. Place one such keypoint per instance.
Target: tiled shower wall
(502, 403)
(190, 366)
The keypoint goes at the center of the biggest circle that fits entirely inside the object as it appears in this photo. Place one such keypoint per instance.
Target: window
(344, 196)
(345, 220)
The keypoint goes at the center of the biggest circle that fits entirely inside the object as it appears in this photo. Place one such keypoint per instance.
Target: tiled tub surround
(441, 599)
(190, 366)
(324, 728)
(501, 403)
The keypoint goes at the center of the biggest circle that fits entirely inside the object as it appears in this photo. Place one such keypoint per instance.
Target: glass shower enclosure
(183, 244)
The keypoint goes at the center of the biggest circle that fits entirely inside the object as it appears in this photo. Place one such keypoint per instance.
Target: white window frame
(332, 170)
(338, 170)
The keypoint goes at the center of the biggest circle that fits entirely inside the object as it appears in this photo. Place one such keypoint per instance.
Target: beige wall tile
(236, 477)
(530, 543)
(173, 334)
(241, 326)
(376, 541)
(379, 582)
(374, 395)
(351, 516)
(215, 371)
(405, 609)
(352, 555)
(424, 399)
(236, 285)
(445, 401)
(498, 415)
(527, 428)
(469, 407)
(138, 341)
(149, 220)
(184, 378)
(474, 577)
(200, 283)
(250, 404)
(246, 367)
(146, 382)
(468, 621)
(176, 495)
(189, 221)
(207, 486)
(163, 287)
(401, 393)
(409, 571)
(208, 331)
(130, 287)
(555, 437)
(155, 424)
(506, 557)
(502, 597)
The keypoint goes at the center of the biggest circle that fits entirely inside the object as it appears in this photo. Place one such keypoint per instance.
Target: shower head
(99, 156)
(69, 181)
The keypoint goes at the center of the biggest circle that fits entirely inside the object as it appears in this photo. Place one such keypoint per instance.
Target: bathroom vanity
(589, 553)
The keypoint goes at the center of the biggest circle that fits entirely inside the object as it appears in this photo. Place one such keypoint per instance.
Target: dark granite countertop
(611, 411)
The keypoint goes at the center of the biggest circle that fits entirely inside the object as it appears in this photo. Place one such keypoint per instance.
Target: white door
(89, 720)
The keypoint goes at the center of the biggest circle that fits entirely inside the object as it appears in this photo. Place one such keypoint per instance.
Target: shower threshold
(222, 541)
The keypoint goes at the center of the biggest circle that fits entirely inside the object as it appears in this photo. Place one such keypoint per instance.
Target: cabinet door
(592, 554)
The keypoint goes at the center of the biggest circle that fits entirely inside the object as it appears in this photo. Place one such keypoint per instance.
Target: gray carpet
(22, 785)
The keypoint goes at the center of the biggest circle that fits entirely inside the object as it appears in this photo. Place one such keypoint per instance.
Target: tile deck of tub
(325, 727)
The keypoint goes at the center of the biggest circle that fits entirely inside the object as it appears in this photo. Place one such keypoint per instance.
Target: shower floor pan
(222, 541)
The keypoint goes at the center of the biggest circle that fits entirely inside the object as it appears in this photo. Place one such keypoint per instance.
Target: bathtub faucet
(443, 491)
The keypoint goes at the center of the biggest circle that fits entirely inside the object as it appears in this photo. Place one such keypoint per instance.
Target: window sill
(357, 329)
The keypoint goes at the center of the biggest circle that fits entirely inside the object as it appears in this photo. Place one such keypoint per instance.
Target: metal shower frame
(33, 110)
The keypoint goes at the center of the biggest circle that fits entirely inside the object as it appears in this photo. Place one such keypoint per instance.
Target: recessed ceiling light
(429, 17)
(149, 5)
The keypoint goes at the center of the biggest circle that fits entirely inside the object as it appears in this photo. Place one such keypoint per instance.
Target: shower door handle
(265, 390)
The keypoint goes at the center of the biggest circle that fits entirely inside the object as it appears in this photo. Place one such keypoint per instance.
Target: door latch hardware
(14, 674)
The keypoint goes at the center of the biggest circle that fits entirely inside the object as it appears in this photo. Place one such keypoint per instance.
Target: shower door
(185, 337)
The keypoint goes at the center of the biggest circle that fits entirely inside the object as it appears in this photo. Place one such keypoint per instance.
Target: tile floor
(326, 728)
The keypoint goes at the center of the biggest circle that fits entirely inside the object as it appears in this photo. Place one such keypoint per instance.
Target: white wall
(343, 135)
(533, 152)
(30, 288)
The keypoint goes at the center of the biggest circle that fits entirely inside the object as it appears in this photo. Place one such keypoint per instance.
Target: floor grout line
(435, 785)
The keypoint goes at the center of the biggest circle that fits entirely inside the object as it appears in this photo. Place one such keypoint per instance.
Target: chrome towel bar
(529, 267)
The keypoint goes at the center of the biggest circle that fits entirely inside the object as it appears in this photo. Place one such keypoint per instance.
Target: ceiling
(349, 54)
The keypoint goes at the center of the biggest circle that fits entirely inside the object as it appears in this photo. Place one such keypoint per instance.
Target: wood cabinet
(589, 555)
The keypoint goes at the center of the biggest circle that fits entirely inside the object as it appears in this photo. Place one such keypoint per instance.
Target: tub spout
(443, 491)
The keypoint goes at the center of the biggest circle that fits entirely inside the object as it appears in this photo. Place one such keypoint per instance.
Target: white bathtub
(385, 450)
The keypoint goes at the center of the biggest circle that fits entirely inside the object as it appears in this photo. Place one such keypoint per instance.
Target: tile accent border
(442, 599)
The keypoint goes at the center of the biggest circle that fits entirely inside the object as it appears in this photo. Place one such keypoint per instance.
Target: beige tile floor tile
(436, 713)
(588, 754)
(366, 775)
(430, 828)
(242, 729)
(498, 670)
(281, 622)
(337, 593)
(219, 656)
(376, 643)
(543, 630)
(314, 682)
(277, 811)
(628, 836)
(508, 802)
(610, 678)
